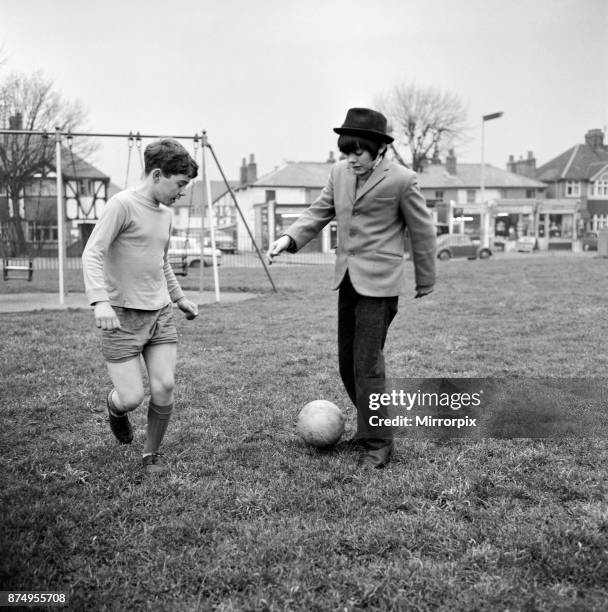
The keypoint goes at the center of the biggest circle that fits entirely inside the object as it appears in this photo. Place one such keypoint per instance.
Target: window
(271, 195)
(560, 226)
(439, 196)
(600, 187)
(601, 221)
(470, 196)
(530, 193)
(41, 232)
(573, 189)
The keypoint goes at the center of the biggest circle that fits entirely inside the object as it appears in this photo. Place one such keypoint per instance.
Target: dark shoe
(376, 458)
(154, 464)
(120, 425)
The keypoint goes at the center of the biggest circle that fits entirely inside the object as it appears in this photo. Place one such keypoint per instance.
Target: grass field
(250, 518)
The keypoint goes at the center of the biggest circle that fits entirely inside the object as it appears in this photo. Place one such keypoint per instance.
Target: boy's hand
(105, 317)
(188, 307)
(277, 247)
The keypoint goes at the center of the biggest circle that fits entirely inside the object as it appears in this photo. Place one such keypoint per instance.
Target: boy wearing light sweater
(132, 287)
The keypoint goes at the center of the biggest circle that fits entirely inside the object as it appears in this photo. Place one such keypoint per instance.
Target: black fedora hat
(366, 123)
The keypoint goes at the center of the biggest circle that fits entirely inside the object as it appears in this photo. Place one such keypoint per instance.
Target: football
(320, 423)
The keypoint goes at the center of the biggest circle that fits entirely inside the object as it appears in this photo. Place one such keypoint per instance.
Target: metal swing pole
(219, 167)
(60, 216)
(208, 198)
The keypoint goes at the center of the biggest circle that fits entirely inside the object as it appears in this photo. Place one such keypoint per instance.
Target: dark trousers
(363, 323)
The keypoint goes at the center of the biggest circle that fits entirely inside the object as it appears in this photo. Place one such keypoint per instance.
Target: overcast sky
(273, 77)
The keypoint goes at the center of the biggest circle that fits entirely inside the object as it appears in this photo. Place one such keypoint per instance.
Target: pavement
(27, 302)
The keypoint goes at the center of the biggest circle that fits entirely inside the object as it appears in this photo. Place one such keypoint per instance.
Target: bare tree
(425, 122)
(30, 102)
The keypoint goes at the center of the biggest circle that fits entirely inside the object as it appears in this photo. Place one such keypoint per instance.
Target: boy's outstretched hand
(188, 308)
(277, 247)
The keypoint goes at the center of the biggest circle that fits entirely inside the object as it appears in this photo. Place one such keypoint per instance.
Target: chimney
(595, 139)
(331, 159)
(511, 164)
(252, 170)
(450, 162)
(531, 165)
(523, 167)
(243, 175)
(528, 166)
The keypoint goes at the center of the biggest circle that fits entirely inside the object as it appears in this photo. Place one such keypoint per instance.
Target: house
(580, 174)
(85, 191)
(513, 200)
(273, 201)
(187, 215)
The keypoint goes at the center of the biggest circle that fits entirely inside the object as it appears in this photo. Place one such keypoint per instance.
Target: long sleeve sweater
(125, 259)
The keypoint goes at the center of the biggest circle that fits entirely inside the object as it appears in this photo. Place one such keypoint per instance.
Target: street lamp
(486, 209)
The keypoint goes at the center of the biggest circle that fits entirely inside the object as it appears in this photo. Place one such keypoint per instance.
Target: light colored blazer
(371, 228)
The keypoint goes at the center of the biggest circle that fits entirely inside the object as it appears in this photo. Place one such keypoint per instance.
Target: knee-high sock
(158, 420)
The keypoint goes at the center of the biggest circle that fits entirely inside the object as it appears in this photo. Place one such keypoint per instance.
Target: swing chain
(75, 175)
(138, 145)
(130, 142)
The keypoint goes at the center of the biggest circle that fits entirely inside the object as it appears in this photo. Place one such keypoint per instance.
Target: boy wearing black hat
(374, 201)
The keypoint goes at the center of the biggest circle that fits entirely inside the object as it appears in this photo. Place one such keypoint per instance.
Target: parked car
(460, 245)
(190, 248)
(224, 241)
(590, 241)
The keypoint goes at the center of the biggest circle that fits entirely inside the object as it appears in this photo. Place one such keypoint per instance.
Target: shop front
(558, 223)
(553, 224)
(513, 223)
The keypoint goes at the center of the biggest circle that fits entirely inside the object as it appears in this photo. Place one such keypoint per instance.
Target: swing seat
(17, 268)
(179, 263)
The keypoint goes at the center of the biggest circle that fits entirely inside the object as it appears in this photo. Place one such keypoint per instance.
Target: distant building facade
(520, 203)
(191, 218)
(273, 201)
(85, 191)
(580, 174)
(515, 200)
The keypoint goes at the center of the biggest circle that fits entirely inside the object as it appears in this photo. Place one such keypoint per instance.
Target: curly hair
(171, 157)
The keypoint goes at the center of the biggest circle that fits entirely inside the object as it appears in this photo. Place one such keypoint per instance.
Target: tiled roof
(297, 174)
(76, 167)
(468, 176)
(315, 175)
(597, 168)
(575, 164)
(72, 165)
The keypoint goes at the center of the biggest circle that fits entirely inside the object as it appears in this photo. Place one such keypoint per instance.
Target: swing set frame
(207, 201)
